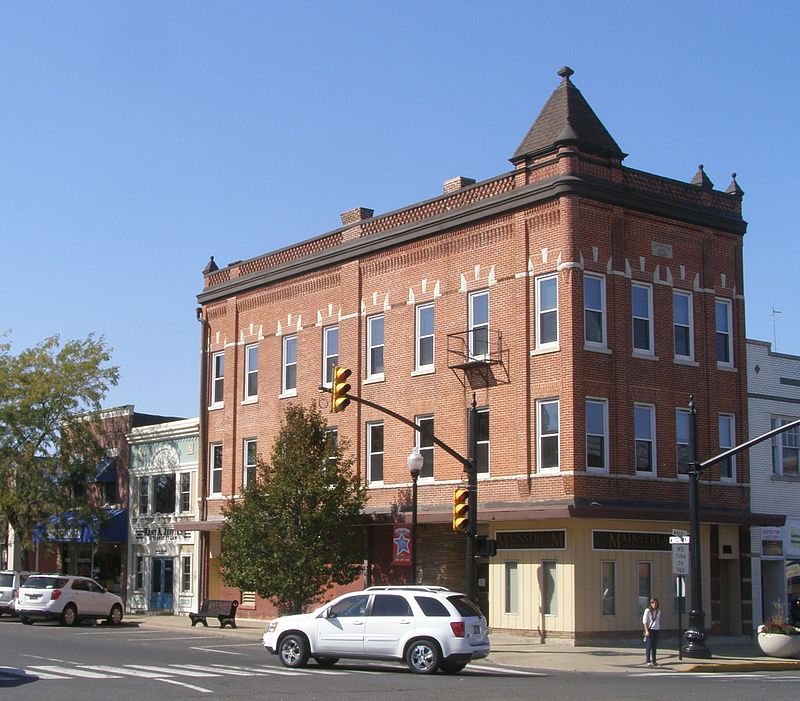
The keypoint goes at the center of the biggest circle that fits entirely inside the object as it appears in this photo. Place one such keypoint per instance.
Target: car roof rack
(407, 587)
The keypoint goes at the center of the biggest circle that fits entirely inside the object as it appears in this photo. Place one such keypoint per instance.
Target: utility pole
(472, 484)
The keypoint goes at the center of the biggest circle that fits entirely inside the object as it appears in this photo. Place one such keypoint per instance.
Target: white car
(68, 599)
(429, 628)
(10, 582)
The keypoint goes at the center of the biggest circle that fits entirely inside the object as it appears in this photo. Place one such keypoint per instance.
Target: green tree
(48, 441)
(295, 534)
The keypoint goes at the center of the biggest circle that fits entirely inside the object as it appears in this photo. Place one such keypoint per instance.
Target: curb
(742, 666)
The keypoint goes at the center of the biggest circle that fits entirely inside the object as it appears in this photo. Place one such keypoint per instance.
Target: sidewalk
(519, 651)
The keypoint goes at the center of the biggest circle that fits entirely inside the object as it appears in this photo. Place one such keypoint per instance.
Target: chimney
(457, 183)
(353, 216)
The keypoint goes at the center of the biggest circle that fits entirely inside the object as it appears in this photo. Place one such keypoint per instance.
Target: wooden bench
(223, 609)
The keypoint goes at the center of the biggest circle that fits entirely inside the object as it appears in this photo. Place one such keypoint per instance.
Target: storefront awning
(70, 528)
(198, 526)
(106, 471)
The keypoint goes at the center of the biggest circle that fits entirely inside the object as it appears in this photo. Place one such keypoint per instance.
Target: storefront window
(164, 497)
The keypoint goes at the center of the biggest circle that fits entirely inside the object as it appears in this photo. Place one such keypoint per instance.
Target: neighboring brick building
(582, 301)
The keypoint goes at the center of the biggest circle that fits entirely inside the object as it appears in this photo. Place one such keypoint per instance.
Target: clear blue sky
(138, 138)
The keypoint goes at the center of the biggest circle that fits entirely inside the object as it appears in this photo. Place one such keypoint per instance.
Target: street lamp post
(415, 461)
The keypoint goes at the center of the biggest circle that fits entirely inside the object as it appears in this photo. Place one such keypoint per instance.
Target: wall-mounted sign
(401, 545)
(771, 541)
(159, 534)
(630, 540)
(531, 540)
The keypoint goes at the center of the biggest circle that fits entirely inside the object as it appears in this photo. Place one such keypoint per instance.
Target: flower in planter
(782, 628)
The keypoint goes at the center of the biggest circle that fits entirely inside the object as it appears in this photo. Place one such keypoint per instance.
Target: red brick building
(582, 302)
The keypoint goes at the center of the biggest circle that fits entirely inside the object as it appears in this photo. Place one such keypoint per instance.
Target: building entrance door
(161, 580)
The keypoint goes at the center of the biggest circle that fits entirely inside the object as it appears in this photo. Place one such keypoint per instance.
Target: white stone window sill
(372, 379)
(217, 406)
(644, 356)
(686, 361)
(543, 350)
(423, 371)
(726, 368)
(596, 349)
(250, 400)
(288, 394)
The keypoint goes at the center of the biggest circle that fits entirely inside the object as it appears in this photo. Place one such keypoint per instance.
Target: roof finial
(700, 179)
(565, 72)
(734, 189)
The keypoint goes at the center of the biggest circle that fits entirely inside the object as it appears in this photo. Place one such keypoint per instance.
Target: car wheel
(293, 651)
(452, 667)
(115, 617)
(423, 656)
(26, 621)
(69, 616)
(326, 661)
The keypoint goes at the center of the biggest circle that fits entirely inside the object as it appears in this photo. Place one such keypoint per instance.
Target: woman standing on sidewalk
(652, 627)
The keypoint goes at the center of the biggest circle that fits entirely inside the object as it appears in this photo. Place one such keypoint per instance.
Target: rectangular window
(727, 439)
(512, 587)
(289, 364)
(642, 306)
(186, 492)
(682, 429)
(217, 377)
(164, 494)
(482, 441)
(138, 580)
(144, 495)
(331, 447)
(644, 585)
(215, 484)
(186, 573)
(424, 341)
(249, 461)
(597, 434)
(109, 492)
(683, 325)
(330, 353)
(547, 311)
(594, 310)
(722, 317)
(549, 591)
(608, 587)
(644, 420)
(375, 452)
(424, 440)
(375, 341)
(785, 448)
(547, 434)
(251, 372)
(479, 325)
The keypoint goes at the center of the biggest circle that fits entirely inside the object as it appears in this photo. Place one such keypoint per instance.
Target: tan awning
(198, 525)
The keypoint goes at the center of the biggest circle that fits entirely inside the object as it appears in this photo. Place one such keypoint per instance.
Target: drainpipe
(202, 434)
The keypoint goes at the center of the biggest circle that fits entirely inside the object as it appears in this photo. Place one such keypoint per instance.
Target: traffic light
(339, 398)
(461, 510)
(485, 546)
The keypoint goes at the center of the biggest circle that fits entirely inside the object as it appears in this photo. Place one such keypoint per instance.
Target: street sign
(678, 539)
(678, 531)
(680, 559)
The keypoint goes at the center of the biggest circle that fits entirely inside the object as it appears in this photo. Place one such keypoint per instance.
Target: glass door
(161, 583)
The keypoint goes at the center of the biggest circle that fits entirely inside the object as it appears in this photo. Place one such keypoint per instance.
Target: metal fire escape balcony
(476, 356)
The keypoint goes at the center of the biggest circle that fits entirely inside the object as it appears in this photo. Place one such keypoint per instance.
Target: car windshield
(45, 583)
(6, 579)
(464, 606)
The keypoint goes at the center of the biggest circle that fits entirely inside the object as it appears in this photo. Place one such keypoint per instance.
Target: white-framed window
(251, 372)
(644, 584)
(186, 573)
(375, 452)
(249, 461)
(785, 448)
(424, 344)
(217, 378)
(331, 445)
(482, 452)
(682, 432)
(608, 587)
(727, 440)
(511, 571)
(424, 442)
(330, 353)
(547, 312)
(547, 434)
(215, 461)
(683, 324)
(289, 383)
(597, 434)
(479, 325)
(138, 573)
(594, 310)
(144, 495)
(375, 346)
(644, 421)
(549, 588)
(642, 312)
(164, 493)
(185, 494)
(723, 319)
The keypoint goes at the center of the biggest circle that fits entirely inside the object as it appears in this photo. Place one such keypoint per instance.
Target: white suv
(429, 627)
(67, 599)
(10, 582)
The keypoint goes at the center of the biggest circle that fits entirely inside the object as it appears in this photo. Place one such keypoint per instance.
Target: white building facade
(163, 563)
(773, 381)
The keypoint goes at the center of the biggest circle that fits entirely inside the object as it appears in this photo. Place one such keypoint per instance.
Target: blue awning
(106, 471)
(70, 528)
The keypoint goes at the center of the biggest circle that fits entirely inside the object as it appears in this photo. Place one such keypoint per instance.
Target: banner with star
(401, 545)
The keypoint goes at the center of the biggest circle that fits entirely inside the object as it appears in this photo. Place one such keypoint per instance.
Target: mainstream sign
(531, 540)
(625, 540)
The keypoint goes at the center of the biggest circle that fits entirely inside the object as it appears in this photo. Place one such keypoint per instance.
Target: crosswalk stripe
(16, 672)
(234, 672)
(127, 671)
(75, 672)
(273, 670)
(504, 670)
(173, 670)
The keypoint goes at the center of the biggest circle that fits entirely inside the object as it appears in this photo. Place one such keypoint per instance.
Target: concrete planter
(779, 644)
